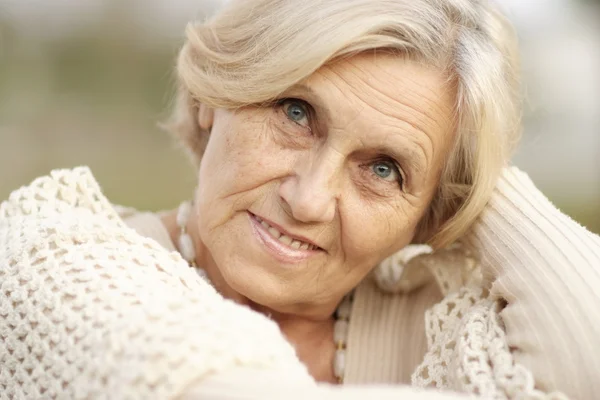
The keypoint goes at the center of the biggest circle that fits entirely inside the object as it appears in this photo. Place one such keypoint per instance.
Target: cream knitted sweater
(91, 308)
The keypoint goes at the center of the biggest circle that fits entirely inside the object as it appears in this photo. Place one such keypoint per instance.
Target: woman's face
(297, 202)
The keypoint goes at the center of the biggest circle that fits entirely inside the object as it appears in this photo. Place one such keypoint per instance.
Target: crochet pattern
(90, 309)
(468, 352)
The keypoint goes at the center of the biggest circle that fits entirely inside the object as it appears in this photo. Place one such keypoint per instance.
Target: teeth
(276, 234)
(285, 239)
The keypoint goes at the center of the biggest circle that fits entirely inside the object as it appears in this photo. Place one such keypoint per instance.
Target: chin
(256, 284)
(252, 270)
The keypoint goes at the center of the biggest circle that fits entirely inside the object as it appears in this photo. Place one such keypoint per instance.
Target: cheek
(374, 231)
(239, 165)
(235, 153)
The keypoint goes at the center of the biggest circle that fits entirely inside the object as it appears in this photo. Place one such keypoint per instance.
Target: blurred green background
(85, 82)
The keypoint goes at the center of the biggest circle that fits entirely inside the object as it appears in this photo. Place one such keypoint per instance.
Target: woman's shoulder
(64, 216)
(65, 211)
(147, 224)
(58, 210)
(75, 194)
(57, 193)
(109, 293)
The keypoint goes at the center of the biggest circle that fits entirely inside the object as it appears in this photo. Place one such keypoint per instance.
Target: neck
(298, 327)
(303, 328)
(311, 338)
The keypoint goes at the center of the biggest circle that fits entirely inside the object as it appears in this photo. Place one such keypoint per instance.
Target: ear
(205, 117)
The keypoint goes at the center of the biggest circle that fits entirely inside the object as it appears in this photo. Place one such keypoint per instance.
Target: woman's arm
(547, 269)
(255, 384)
(90, 309)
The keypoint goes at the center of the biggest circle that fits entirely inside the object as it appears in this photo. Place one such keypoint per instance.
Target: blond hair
(253, 50)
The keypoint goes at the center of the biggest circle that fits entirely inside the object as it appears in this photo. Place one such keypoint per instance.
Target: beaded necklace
(187, 250)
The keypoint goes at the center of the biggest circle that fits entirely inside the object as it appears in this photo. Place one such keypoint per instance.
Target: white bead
(186, 247)
(340, 331)
(344, 308)
(183, 214)
(339, 363)
(341, 326)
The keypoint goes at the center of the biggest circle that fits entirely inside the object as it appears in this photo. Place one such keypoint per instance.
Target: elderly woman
(355, 222)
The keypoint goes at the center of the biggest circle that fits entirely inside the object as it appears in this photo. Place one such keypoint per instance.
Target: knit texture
(543, 268)
(520, 315)
(89, 308)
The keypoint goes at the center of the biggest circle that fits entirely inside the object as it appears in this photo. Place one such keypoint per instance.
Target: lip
(279, 250)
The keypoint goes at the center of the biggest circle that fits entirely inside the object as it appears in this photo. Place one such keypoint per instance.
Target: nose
(312, 191)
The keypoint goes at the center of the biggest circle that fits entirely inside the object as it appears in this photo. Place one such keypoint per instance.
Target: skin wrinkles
(418, 166)
(321, 186)
(430, 114)
(427, 113)
(306, 93)
(395, 128)
(356, 72)
(379, 210)
(358, 109)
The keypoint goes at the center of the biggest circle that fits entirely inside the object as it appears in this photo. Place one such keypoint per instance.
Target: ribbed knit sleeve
(91, 309)
(546, 267)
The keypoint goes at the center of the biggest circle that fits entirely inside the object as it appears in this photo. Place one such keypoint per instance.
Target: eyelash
(309, 115)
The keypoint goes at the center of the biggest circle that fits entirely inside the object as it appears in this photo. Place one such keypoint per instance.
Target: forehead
(382, 97)
(389, 84)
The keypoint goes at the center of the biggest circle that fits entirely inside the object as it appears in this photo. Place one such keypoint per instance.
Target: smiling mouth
(294, 243)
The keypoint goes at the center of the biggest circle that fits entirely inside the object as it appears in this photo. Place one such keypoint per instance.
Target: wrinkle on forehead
(415, 103)
(426, 106)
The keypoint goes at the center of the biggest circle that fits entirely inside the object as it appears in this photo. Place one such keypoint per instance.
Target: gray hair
(248, 53)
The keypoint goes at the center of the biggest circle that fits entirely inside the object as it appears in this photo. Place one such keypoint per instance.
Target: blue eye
(387, 170)
(296, 111)
(382, 170)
